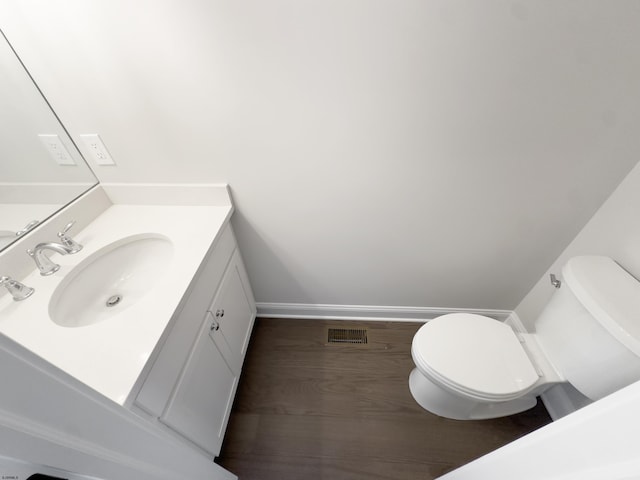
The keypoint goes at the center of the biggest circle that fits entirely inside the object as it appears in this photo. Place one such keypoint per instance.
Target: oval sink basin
(110, 280)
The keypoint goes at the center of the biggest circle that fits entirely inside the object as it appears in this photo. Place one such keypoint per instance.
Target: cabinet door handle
(215, 326)
(220, 313)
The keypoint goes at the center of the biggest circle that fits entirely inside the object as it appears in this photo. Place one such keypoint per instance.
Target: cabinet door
(201, 402)
(234, 311)
(186, 322)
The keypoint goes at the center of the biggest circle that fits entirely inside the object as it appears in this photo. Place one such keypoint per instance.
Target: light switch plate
(97, 149)
(56, 149)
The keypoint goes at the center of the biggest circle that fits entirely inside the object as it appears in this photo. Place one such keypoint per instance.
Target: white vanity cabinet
(191, 381)
(201, 402)
(229, 314)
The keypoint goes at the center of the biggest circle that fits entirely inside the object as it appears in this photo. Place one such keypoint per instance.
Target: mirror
(41, 170)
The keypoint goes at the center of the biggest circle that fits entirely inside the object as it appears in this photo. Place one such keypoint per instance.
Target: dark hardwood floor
(310, 410)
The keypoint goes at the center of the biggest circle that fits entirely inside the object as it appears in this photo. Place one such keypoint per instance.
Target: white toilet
(472, 367)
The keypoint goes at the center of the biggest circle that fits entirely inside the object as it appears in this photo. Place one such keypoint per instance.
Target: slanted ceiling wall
(613, 231)
(403, 153)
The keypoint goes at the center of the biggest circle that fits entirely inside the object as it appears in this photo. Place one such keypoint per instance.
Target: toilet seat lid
(474, 354)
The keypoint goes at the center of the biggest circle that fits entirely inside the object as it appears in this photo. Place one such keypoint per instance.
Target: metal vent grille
(347, 335)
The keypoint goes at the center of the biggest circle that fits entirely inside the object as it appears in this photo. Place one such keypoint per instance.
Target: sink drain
(113, 300)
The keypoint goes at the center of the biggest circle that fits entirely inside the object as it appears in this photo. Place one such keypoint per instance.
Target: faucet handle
(67, 241)
(66, 228)
(17, 289)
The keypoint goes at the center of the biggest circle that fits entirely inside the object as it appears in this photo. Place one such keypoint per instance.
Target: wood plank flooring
(310, 410)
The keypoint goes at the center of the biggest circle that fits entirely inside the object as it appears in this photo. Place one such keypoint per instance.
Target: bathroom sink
(110, 280)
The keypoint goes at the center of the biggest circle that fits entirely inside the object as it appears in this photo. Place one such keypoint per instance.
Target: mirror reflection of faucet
(29, 226)
(18, 290)
(7, 236)
(66, 246)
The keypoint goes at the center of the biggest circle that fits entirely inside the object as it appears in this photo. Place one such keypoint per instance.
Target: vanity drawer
(184, 326)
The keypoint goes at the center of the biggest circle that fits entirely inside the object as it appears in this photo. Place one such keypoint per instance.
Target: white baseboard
(365, 312)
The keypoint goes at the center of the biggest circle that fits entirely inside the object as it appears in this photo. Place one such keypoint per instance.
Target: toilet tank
(590, 329)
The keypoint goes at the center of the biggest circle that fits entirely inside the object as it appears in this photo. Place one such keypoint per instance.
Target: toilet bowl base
(442, 402)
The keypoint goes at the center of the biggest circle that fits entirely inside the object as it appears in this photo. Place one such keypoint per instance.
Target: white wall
(433, 153)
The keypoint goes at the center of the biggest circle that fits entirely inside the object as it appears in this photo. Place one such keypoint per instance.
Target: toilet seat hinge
(523, 341)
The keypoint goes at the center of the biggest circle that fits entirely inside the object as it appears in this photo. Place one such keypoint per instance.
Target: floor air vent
(347, 335)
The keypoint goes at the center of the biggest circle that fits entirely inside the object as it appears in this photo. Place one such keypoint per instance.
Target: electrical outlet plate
(56, 149)
(97, 149)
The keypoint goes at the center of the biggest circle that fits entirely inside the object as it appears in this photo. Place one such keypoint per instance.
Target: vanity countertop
(109, 356)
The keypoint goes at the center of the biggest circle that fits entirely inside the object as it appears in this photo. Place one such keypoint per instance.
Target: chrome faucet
(66, 246)
(67, 241)
(17, 289)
